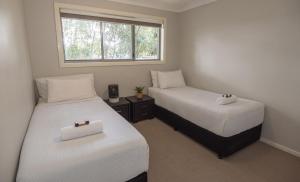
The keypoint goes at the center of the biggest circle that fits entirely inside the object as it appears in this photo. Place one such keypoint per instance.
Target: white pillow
(171, 79)
(42, 85)
(154, 79)
(70, 89)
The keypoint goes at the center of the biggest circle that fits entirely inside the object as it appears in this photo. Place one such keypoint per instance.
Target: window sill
(120, 63)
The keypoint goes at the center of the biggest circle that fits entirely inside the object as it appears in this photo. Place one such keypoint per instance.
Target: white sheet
(200, 107)
(116, 155)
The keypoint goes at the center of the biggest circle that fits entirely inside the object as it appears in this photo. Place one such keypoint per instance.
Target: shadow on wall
(275, 117)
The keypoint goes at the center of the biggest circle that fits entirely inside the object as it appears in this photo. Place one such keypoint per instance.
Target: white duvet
(116, 155)
(200, 107)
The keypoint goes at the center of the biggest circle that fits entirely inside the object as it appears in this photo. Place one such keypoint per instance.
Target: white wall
(43, 47)
(251, 49)
(16, 90)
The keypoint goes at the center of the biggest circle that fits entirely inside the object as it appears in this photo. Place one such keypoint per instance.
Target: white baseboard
(280, 147)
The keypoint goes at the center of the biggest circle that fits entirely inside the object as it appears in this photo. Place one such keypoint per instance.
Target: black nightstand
(141, 109)
(122, 107)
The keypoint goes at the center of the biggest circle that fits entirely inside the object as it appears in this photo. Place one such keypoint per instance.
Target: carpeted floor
(176, 158)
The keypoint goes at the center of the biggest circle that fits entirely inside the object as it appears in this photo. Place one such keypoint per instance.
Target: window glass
(147, 42)
(117, 41)
(81, 39)
(91, 38)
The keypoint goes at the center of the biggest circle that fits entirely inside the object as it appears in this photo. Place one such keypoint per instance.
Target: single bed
(223, 128)
(118, 154)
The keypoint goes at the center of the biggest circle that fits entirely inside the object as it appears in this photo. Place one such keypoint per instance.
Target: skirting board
(280, 147)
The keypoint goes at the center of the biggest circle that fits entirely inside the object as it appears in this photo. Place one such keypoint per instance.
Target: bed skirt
(140, 178)
(223, 146)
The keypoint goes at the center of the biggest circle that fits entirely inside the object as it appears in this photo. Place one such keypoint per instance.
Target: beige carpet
(176, 158)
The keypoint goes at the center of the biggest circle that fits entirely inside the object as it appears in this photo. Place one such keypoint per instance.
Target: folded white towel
(226, 100)
(71, 132)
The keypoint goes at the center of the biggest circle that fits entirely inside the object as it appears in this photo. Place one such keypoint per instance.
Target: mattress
(118, 154)
(200, 107)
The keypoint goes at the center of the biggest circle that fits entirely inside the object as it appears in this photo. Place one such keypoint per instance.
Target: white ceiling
(169, 5)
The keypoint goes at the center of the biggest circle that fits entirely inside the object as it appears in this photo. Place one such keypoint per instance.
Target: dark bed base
(140, 178)
(223, 146)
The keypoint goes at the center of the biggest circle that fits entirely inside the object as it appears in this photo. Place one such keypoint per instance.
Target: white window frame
(85, 10)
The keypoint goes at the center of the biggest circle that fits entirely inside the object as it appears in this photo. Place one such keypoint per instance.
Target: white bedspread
(117, 155)
(200, 107)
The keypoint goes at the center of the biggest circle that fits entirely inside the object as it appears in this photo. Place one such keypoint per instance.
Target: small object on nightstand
(113, 93)
(122, 107)
(141, 109)
(139, 92)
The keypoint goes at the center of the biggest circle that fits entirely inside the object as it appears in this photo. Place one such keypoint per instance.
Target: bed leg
(175, 129)
(220, 156)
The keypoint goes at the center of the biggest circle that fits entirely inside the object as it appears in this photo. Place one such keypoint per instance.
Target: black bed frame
(140, 178)
(223, 146)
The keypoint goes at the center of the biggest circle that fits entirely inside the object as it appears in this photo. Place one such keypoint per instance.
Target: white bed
(118, 154)
(200, 107)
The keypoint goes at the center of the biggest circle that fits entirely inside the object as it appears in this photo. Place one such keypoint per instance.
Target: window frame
(105, 13)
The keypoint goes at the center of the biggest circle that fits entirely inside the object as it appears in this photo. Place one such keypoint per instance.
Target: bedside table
(122, 107)
(141, 109)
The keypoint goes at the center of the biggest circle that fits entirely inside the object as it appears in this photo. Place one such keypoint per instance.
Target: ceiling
(169, 5)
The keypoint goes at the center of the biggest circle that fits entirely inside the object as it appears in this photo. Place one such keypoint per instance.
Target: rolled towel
(226, 99)
(81, 129)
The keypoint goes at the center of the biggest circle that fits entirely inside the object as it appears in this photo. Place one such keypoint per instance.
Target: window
(147, 42)
(105, 38)
(117, 41)
(82, 39)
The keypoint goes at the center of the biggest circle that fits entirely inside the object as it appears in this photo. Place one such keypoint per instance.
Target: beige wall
(44, 56)
(250, 48)
(16, 90)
